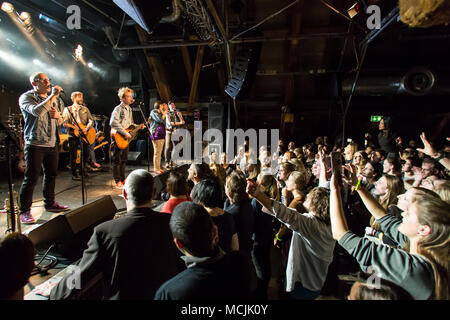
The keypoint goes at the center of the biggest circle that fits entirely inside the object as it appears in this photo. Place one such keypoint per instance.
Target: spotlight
(90, 65)
(7, 7)
(25, 18)
(79, 53)
(353, 10)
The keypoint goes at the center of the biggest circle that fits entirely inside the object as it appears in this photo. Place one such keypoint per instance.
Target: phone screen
(336, 162)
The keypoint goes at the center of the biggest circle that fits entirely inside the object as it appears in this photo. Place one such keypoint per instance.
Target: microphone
(52, 85)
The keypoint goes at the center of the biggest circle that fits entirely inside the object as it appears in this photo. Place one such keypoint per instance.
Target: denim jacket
(39, 128)
(121, 119)
(156, 119)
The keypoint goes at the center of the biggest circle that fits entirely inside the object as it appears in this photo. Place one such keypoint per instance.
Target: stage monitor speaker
(69, 233)
(146, 13)
(133, 155)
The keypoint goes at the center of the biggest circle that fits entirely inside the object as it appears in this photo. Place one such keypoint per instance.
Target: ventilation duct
(418, 81)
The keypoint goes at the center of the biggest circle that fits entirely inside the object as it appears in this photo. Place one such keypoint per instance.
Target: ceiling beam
(158, 70)
(195, 77)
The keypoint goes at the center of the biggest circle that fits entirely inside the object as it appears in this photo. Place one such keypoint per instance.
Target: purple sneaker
(27, 218)
(56, 207)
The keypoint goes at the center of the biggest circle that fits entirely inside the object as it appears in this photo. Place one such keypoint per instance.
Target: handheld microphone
(52, 85)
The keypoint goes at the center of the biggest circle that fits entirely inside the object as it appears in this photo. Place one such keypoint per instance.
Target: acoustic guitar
(90, 135)
(123, 142)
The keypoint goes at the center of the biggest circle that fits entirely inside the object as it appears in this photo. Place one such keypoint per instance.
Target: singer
(41, 109)
(86, 122)
(121, 120)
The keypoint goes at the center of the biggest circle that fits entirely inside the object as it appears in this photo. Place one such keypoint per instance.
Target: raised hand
(428, 148)
(252, 187)
(349, 175)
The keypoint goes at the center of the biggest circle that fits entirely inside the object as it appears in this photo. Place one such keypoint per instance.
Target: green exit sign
(375, 118)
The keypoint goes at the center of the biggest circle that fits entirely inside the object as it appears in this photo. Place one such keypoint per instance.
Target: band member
(157, 133)
(41, 108)
(121, 119)
(174, 119)
(84, 118)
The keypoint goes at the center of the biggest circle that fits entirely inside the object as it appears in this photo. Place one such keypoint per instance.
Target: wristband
(357, 185)
(278, 238)
(380, 236)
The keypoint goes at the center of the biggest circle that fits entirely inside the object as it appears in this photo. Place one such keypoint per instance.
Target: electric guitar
(123, 142)
(90, 135)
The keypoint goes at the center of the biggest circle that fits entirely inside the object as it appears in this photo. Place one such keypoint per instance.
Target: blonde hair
(217, 170)
(269, 186)
(300, 180)
(435, 213)
(395, 187)
(442, 188)
(74, 94)
(121, 92)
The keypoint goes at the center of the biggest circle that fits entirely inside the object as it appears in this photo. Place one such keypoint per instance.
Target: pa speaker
(146, 13)
(216, 116)
(244, 68)
(67, 235)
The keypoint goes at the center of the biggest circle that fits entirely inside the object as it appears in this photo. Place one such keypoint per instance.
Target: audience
(134, 253)
(211, 274)
(177, 187)
(421, 268)
(312, 243)
(16, 265)
(209, 195)
(395, 200)
(239, 206)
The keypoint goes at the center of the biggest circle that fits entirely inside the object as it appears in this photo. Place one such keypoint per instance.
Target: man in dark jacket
(135, 253)
(210, 273)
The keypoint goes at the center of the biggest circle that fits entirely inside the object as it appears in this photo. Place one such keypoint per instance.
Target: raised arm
(430, 151)
(28, 104)
(375, 209)
(339, 225)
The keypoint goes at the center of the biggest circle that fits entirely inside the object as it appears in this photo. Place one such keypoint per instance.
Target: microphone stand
(10, 137)
(148, 137)
(81, 137)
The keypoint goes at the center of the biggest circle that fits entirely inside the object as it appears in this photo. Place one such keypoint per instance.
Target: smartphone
(336, 162)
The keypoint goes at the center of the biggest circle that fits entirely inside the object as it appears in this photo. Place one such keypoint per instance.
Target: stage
(68, 192)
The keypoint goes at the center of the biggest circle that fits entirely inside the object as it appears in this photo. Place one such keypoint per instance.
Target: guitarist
(83, 116)
(121, 119)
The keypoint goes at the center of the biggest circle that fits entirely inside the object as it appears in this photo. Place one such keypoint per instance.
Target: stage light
(7, 7)
(353, 10)
(25, 19)
(79, 53)
(90, 65)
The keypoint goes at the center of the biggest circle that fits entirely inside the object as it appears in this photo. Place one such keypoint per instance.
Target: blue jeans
(301, 293)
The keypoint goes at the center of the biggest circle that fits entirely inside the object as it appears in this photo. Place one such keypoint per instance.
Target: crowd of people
(386, 205)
